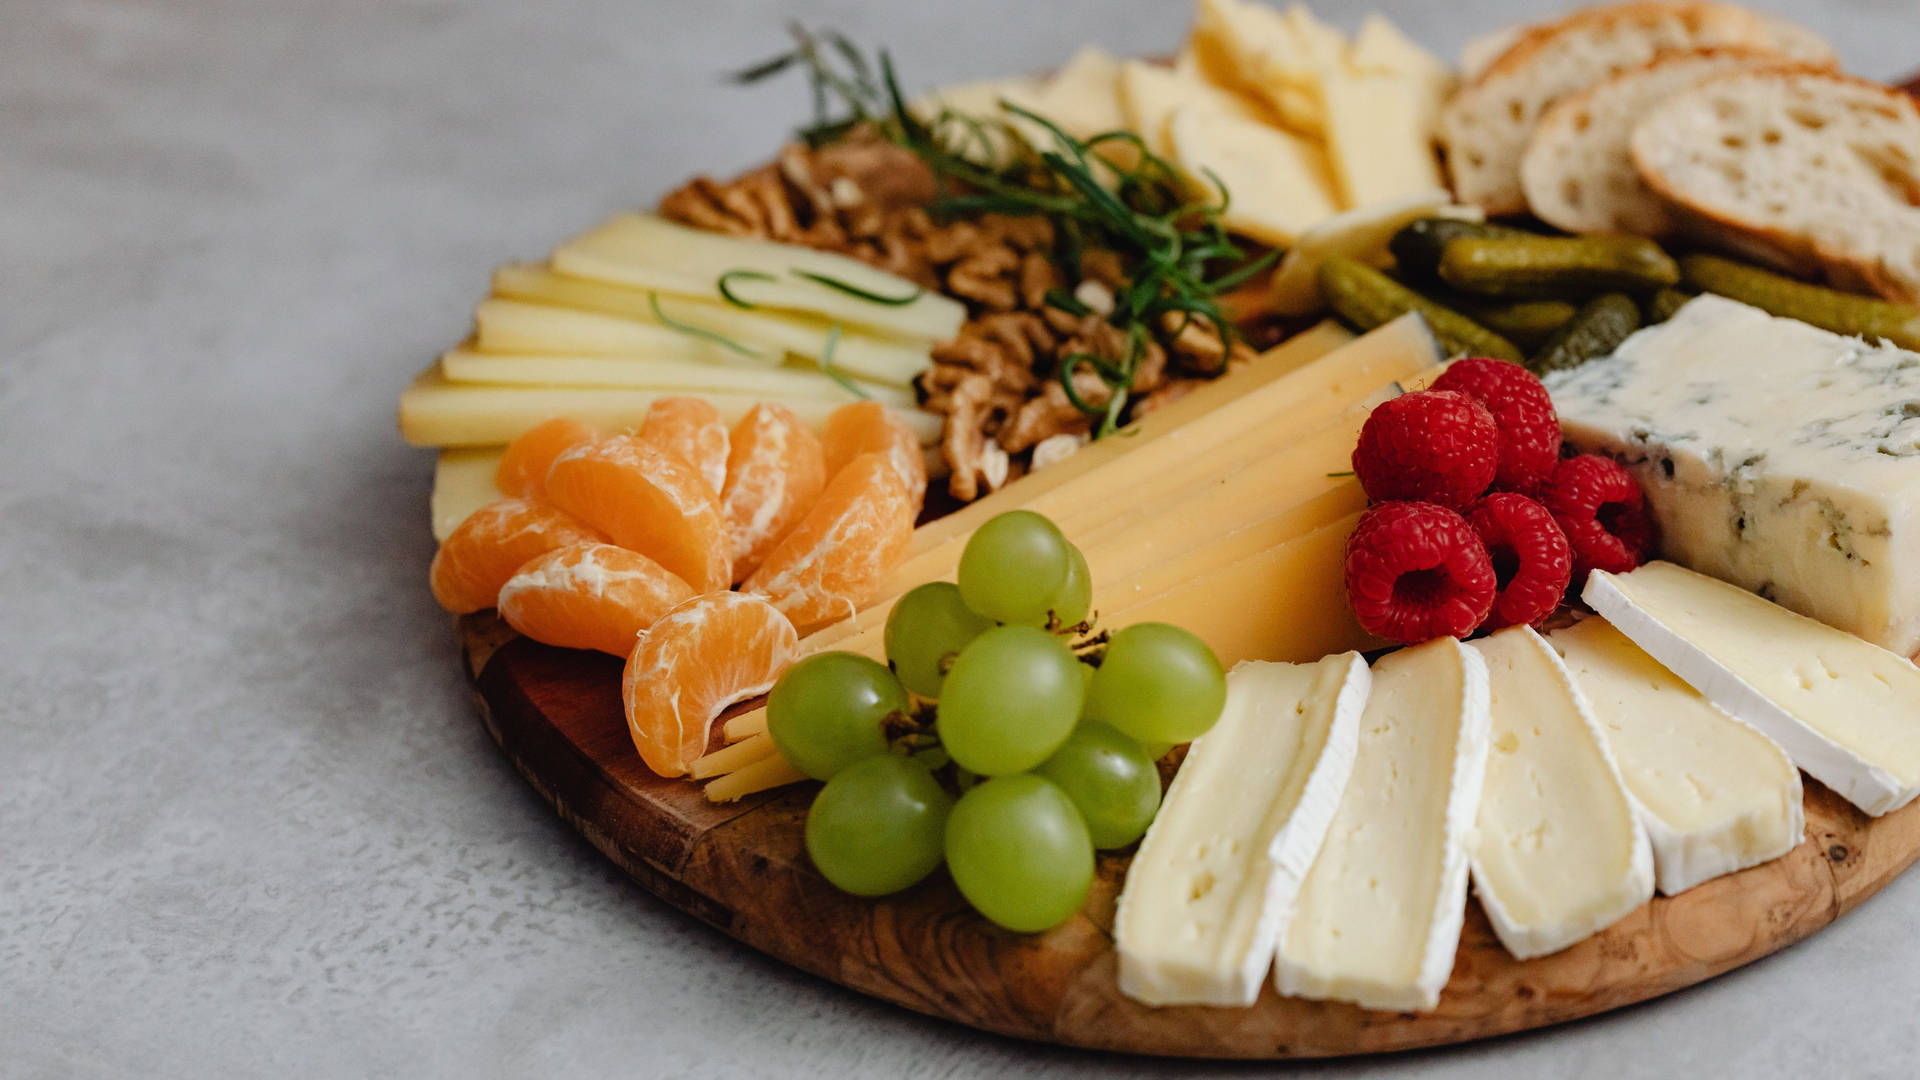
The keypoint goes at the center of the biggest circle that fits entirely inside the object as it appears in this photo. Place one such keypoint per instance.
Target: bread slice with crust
(1817, 171)
(1576, 171)
(1485, 127)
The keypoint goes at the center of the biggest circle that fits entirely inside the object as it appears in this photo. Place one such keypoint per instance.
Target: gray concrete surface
(248, 825)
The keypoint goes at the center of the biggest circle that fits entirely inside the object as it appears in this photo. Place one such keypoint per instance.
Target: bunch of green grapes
(1051, 749)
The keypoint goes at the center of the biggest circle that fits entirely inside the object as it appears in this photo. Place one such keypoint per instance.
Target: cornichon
(1526, 323)
(1555, 266)
(1417, 246)
(1829, 309)
(1367, 298)
(1662, 305)
(1598, 328)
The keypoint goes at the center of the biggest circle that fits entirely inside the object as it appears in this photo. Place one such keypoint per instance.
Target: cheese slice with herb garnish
(1215, 879)
(1714, 794)
(1559, 854)
(1846, 711)
(643, 251)
(1379, 917)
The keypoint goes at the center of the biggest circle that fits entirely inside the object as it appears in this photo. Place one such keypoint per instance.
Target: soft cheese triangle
(1215, 879)
(1379, 917)
(1559, 854)
(1714, 794)
(1846, 711)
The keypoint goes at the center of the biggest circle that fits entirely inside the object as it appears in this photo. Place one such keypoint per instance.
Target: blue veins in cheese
(1774, 455)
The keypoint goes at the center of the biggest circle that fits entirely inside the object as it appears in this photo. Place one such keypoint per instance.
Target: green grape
(1075, 601)
(879, 825)
(1019, 852)
(1111, 781)
(925, 627)
(824, 714)
(1011, 698)
(1013, 567)
(1158, 683)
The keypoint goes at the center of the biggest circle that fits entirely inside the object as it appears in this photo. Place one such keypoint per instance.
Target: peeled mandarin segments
(590, 596)
(482, 552)
(775, 471)
(866, 427)
(841, 553)
(647, 500)
(523, 468)
(701, 656)
(693, 429)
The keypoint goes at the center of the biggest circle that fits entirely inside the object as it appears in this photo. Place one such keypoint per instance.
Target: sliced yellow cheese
(514, 326)
(876, 357)
(654, 373)
(647, 252)
(1380, 137)
(1084, 98)
(1280, 183)
(1149, 96)
(463, 481)
(436, 412)
(1379, 48)
(1272, 55)
(982, 101)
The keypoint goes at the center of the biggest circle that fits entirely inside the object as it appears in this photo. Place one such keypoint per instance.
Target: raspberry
(1529, 430)
(1531, 557)
(1416, 571)
(1431, 446)
(1601, 509)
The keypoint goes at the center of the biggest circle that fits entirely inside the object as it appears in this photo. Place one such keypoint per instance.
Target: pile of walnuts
(996, 382)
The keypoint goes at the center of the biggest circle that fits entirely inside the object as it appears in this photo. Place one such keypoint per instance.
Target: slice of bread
(1577, 173)
(1817, 171)
(1485, 128)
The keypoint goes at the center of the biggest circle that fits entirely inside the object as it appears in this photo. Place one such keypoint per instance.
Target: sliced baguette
(1817, 171)
(1485, 127)
(1577, 173)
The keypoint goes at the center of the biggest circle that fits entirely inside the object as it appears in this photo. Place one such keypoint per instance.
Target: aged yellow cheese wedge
(874, 357)
(463, 481)
(1380, 136)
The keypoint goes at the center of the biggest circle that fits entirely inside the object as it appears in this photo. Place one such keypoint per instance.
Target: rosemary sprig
(722, 340)
(1107, 191)
(856, 291)
(726, 293)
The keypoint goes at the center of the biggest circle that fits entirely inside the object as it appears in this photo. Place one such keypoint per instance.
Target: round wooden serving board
(742, 868)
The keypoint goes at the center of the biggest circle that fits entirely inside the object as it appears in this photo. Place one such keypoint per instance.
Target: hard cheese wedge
(656, 373)
(1215, 879)
(1714, 794)
(1380, 136)
(1774, 455)
(1379, 917)
(872, 356)
(646, 252)
(1559, 854)
(1280, 182)
(463, 481)
(1846, 711)
(1149, 96)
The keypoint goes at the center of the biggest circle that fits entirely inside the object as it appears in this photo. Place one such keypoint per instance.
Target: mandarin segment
(523, 467)
(484, 551)
(647, 500)
(590, 596)
(775, 471)
(841, 553)
(694, 661)
(867, 427)
(694, 429)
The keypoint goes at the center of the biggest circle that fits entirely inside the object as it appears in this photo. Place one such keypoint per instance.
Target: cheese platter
(1302, 549)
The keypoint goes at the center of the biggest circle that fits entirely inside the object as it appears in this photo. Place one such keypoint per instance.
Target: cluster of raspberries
(1477, 523)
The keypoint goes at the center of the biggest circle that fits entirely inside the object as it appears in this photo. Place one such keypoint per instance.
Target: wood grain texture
(741, 868)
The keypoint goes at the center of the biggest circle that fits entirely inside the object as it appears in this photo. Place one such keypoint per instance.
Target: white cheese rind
(1846, 711)
(1775, 455)
(1379, 915)
(1559, 853)
(1714, 794)
(1214, 882)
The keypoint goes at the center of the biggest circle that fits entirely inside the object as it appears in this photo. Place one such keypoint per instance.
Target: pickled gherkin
(1366, 298)
(1596, 330)
(1556, 267)
(1829, 309)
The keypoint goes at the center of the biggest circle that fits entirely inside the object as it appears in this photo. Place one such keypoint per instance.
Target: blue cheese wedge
(1379, 917)
(1714, 794)
(1214, 881)
(1559, 854)
(1774, 455)
(1846, 711)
